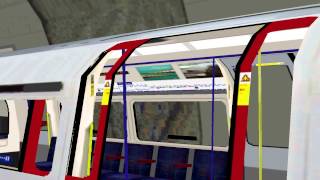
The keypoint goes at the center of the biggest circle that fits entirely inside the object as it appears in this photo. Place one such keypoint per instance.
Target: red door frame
(130, 46)
(32, 141)
(244, 65)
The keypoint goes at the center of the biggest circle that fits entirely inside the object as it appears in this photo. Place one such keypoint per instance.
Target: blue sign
(5, 159)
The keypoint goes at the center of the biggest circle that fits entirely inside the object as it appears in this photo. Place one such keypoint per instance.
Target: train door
(262, 116)
(48, 135)
(169, 111)
(276, 82)
(4, 123)
(12, 132)
(18, 131)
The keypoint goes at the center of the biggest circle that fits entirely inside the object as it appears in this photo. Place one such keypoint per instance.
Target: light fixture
(286, 35)
(117, 54)
(278, 36)
(242, 40)
(221, 42)
(161, 49)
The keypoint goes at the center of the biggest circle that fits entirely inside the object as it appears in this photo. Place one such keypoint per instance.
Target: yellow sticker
(92, 85)
(244, 89)
(106, 93)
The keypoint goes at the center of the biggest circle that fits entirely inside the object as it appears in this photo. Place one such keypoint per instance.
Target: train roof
(65, 62)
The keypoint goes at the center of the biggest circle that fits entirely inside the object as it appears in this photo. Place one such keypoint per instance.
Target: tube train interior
(216, 100)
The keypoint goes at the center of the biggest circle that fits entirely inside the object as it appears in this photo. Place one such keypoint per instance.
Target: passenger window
(157, 72)
(199, 70)
(181, 122)
(4, 120)
(115, 122)
(276, 106)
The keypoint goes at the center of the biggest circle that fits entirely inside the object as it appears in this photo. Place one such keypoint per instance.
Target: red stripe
(111, 157)
(182, 165)
(146, 161)
(237, 166)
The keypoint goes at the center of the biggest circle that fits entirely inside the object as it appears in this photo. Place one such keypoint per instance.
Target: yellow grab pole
(48, 127)
(260, 113)
(90, 149)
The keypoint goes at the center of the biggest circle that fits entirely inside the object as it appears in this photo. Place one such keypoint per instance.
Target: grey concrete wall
(20, 27)
(203, 10)
(28, 23)
(69, 20)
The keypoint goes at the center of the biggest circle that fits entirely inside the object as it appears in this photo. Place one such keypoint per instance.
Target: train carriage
(228, 99)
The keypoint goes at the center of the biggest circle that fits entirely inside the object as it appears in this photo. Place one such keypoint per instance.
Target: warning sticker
(245, 78)
(106, 93)
(92, 85)
(244, 89)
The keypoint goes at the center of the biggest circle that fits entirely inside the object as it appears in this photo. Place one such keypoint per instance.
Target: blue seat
(120, 176)
(47, 165)
(172, 163)
(111, 159)
(140, 159)
(201, 165)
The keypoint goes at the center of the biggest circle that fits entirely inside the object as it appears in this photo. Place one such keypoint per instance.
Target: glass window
(199, 70)
(181, 122)
(115, 123)
(276, 106)
(157, 72)
(45, 120)
(4, 120)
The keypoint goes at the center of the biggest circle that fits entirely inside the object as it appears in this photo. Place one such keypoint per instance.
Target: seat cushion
(201, 165)
(140, 159)
(120, 176)
(168, 160)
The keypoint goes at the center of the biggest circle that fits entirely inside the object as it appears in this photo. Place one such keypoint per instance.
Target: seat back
(140, 159)
(171, 163)
(112, 156)
(201, 165)
(51, 149)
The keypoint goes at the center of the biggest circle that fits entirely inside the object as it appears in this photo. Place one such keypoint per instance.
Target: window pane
(115, 123)
(181, 122)
(45, 117)
(4, 120)
(157, 72)
(276, 104)
(199, 70)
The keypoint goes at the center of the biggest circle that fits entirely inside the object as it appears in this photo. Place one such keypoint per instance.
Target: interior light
(221, 42)
(117, 54)
(242, 40)
(168, 48)
(286, 35)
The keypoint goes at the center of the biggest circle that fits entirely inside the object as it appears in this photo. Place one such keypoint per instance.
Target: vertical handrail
(125, 128)
(212, 123)
(260, 114)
